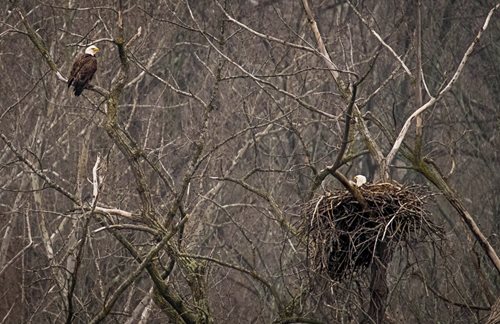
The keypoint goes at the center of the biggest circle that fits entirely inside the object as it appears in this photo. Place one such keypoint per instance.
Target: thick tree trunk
(379, 291)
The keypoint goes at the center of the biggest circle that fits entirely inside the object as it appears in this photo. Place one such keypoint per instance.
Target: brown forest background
(210, 125)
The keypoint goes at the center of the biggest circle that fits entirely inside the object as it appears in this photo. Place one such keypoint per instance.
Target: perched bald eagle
(83, 70)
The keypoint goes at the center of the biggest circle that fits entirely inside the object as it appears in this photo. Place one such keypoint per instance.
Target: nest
(343, 237)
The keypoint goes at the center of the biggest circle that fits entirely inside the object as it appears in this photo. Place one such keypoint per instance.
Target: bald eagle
(360, 180)
(83, 70)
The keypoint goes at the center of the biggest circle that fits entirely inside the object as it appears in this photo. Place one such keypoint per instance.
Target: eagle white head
(360, 180)
(91, 50)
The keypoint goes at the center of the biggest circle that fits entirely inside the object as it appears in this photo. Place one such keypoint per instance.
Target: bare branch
(23, 250)
(37, 171)
(106, 308)
(448, 86)
(407, 70)
(264, 36)
(321, 45)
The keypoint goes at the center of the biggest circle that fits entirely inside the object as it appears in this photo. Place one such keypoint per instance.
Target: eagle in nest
(83, 70)
(359, 180)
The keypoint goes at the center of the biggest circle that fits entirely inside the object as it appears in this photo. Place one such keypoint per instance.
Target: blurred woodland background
(173, 189)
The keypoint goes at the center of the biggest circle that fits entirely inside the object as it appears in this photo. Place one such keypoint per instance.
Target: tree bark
(378, 285)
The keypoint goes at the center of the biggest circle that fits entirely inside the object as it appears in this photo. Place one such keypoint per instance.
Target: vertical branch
(318, 179)
(6, 265)
(82, 166)
(424, 107)
(407, 70)
(126, 145)
(95, 181)
(322, 47)
(7, 237)
(418, 81)
(133, 154)
(378, 285)
(81, 243)
(5, 244)
(372, 146)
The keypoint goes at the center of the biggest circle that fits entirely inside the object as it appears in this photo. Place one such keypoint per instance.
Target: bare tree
(171, 190)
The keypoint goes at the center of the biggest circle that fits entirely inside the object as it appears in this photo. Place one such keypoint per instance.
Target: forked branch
(433, 100)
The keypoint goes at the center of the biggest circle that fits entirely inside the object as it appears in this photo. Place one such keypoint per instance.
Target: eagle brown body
(83, 70)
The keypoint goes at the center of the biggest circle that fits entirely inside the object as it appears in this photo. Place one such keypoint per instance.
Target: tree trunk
(378, 285)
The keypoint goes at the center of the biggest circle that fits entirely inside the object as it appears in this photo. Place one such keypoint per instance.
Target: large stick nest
(343, 237)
